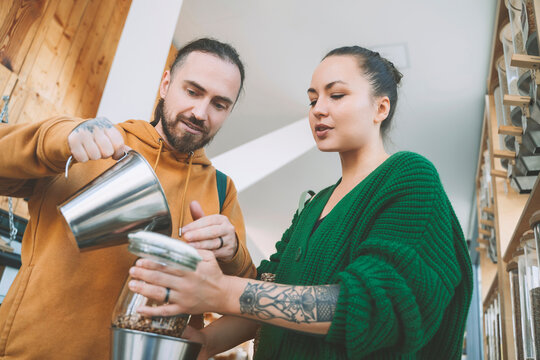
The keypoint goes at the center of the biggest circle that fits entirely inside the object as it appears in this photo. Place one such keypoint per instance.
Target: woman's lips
(322, 130)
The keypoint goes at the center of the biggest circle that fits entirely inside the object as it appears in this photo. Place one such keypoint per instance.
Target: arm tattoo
(299, 304)
(97, 123)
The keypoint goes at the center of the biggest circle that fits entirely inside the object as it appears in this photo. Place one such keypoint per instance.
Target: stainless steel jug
(125, 198)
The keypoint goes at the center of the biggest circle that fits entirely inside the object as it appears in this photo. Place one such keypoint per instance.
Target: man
(60, 304)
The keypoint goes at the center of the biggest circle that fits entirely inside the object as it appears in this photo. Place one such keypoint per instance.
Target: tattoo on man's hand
(91, 125)
(300, 304)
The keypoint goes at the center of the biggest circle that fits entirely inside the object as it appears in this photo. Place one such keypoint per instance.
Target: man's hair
(209, 46)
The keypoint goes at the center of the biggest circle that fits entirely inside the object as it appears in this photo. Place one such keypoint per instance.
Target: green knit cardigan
(395, 246)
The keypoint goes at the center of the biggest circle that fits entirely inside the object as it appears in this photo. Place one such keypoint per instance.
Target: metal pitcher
(125, 198)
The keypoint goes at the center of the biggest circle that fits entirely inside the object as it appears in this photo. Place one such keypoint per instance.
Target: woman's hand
(191, 292)
(212, 232)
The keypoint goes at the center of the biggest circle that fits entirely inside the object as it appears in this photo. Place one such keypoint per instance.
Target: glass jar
(512, 269)
(534, 221)
(164, 250)
(512, 73)
(528, 285)
(529, 24)
(493, 329)
(503, 115)
(489, 333)
(517, 14)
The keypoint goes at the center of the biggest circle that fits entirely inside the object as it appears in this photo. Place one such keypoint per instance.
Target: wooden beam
(516, 100)
(489, 223)
(484, 232)
(488, 210)
(510, 130)
(482, 241)
(504, 154)
(525, 61)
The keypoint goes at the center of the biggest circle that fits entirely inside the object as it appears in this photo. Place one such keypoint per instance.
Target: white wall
(139, 61)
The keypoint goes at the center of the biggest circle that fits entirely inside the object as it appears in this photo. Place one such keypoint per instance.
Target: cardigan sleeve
(404, 274)
(270, 266)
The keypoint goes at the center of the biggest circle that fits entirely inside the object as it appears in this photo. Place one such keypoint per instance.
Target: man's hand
(96, 139)
(212, 232)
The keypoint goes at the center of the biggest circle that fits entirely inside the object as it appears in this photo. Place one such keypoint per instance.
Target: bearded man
(60, 304)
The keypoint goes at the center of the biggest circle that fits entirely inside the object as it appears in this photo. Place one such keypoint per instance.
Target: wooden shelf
(532, 204)
(511, 211)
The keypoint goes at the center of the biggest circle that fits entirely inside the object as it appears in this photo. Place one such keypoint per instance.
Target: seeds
(162, 325)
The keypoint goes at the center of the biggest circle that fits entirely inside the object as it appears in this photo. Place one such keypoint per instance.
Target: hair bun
(396, 74)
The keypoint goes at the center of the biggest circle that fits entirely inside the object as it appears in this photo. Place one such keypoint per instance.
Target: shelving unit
(510, 210)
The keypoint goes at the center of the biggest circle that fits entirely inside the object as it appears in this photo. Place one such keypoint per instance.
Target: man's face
(196, 100)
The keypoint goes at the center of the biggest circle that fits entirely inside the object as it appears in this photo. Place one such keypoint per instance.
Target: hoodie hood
(148, 135)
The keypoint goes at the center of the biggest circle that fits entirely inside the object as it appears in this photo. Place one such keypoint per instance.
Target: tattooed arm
(290, 306)
(308, 309)
(96, 139)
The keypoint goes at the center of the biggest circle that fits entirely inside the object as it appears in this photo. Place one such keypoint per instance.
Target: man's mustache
(199, 124)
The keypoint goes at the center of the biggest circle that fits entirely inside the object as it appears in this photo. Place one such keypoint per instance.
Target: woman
(373, 267)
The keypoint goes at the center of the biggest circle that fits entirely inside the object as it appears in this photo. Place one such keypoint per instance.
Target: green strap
(302, 202)
(221, 180)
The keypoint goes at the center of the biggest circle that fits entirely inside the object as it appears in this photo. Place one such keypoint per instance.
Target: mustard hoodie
(61, 302)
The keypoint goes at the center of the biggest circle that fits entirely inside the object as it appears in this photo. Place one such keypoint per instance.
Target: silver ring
(167, 293)
(221, 242)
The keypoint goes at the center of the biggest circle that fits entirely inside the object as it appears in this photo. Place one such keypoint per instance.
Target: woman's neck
(359, 163)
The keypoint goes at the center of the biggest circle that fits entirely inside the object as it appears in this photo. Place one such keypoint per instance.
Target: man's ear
(383, 109)
(165, 82)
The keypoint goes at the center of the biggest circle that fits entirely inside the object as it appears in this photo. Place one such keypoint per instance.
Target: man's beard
(186, 142)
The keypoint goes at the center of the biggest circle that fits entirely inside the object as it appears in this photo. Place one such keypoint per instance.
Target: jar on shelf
(493, 328)
(529, 297)
(503, 115)
(497, 324)
(529, 28)
(164, 250)
(512, 269)
(489, 332)
(534, 221)
(512, 73)
(517, 13)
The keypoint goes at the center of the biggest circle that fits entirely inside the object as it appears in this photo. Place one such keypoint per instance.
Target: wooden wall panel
(55, 57)
(101, 61)
(19, 24)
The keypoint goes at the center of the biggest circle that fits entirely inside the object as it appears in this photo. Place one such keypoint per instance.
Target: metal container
(137, 345)
(125, 198)
(523, 184)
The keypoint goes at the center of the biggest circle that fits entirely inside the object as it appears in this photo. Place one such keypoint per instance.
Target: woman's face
(343, 114)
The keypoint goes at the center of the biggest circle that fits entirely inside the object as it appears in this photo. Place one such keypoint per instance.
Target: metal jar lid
(535, 219)
(163, 249)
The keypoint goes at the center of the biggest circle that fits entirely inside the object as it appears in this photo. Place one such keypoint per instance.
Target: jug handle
(71, 160)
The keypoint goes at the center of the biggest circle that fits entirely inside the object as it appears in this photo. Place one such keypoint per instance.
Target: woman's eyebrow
(327, 86)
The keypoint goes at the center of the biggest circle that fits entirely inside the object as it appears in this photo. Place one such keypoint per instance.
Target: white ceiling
(440, 110)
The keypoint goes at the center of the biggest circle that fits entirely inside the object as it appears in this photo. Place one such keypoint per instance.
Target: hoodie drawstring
(182, 208)
(158, 154)
(184, 195)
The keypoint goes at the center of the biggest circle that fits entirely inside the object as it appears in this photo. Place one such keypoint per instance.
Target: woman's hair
(381, 74)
